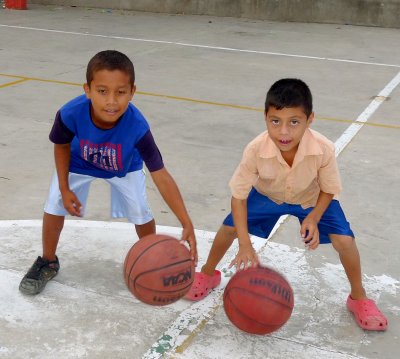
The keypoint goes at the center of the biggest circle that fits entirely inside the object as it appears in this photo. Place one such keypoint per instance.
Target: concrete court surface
(201, 83)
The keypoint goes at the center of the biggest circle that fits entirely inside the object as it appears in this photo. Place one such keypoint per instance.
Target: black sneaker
(38, 275)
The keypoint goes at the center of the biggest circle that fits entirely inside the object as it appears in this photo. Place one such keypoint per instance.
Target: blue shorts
(262, 215)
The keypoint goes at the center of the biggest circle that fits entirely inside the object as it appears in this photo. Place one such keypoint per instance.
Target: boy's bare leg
(350, 258)
(145, 229)
(51, 230)
(223, 240)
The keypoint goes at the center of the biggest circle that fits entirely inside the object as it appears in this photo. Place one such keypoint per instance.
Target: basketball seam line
(258, 295)
(141, 254)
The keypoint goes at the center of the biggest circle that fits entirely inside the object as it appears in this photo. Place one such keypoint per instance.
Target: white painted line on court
(352, 130)
(231, 49)
(79, 223)
(190, 320)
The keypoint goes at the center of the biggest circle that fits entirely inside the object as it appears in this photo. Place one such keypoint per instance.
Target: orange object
(258, 300)
(16, 4)
(158, 269)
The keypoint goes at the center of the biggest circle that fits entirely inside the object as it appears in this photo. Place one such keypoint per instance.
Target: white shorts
(128, 196)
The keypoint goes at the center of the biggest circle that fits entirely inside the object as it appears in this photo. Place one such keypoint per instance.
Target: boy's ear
(133, 91)
(86, 88)
(310, 119)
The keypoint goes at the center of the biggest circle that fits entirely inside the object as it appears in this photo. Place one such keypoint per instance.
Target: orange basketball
(158, 269)
(258, 300)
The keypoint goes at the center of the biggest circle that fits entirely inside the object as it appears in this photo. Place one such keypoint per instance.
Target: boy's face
(110, 93)
(286, 127)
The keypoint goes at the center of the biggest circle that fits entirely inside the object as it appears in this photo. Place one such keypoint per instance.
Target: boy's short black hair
(289, 93)
(110, 60)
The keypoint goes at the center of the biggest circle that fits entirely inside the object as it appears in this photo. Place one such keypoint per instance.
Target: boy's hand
(188, 236)
(246, 258)
(71, 203)
(310, 233)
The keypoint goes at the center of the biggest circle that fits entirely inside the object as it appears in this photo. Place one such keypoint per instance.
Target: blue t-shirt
(103, 153)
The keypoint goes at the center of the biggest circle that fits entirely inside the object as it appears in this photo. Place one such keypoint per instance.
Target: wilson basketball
(258, 300)
(158, 269)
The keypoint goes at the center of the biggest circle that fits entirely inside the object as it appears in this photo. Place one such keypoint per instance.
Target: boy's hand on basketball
(246, 258)
(188, 236)
(71, 203)
(310, 233)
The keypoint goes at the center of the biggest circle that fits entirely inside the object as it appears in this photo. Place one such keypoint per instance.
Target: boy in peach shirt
(289, 169)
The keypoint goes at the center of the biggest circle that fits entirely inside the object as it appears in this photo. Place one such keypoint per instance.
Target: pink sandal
(367, 314)
(202, 285)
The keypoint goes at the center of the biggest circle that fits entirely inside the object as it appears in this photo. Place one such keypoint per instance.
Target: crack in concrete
(316, 347)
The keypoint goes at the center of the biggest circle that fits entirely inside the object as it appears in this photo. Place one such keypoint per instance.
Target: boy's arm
(62, 155)
(309, 228)
(246, 256)
(171, 195)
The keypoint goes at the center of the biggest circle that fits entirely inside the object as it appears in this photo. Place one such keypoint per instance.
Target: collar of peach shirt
(308, 146)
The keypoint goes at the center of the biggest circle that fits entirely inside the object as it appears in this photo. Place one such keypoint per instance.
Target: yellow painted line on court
(13, 83)
(188, 99)
(189, 340)
(42, 80)
(367, 123)
(201, 101)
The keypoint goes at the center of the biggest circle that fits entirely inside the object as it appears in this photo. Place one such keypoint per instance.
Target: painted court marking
(230, 49)
(190, 321)
(13, 83)
(352, 130)
(188, 99)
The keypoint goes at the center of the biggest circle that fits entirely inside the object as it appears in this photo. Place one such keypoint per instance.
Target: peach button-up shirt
(314, 169)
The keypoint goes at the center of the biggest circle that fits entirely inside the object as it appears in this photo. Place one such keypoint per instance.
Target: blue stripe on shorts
(262, 215)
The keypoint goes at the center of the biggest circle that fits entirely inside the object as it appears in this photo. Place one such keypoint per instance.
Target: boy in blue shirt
(102, 135)
(289, 169)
